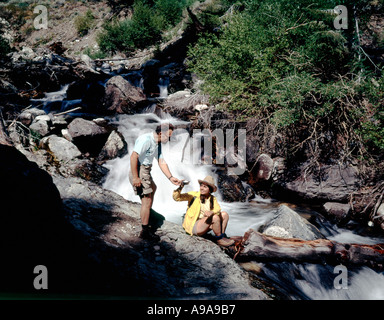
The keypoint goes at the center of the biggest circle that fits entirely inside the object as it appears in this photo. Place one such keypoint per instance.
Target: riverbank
(68, 124)
(73, 148)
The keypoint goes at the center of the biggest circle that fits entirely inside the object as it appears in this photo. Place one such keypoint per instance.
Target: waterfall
(54, 100)
(298, 281)
(183, 161)
(163, 87)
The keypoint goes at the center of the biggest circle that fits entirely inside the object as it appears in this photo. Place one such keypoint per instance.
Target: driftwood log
(255, 246)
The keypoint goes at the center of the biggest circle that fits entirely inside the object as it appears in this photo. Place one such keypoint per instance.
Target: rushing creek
(295, 281)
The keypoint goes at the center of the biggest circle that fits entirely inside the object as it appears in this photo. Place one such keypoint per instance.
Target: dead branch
(65, 112)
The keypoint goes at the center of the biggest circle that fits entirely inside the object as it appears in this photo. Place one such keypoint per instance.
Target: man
(147, 147)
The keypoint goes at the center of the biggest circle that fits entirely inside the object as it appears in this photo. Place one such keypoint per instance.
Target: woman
(204, 212)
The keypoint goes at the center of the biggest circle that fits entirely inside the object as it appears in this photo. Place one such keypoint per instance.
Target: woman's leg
(202, 227)
(224, 221)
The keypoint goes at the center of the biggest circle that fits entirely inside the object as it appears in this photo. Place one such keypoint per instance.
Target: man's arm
(136, 181)
(164, 168)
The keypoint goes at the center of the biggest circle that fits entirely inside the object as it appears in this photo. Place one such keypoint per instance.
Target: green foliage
(170, 10)
(142, 30)
(84, 23)
(371, 113)
(94, 54)
(149, 20)
(285, 61)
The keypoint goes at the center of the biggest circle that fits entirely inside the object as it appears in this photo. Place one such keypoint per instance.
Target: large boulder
(338, 212)
(178, 266)
(41, 125)
(232, 189)
(121, 96)
(329, 183)
(289, 224)
(115, 146)
(34, 230)
(88, 136)
(262, 169)
(62, 149)
(87, 238)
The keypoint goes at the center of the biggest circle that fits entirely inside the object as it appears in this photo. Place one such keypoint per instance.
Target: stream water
(295, 281)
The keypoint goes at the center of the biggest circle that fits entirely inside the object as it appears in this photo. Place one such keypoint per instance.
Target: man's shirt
(147, 149)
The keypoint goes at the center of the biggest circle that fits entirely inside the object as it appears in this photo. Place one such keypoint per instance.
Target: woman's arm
(178, 196)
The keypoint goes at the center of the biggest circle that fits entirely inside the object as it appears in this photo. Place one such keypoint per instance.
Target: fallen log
(255, 246)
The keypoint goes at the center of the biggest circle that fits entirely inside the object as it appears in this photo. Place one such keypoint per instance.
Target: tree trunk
(260, 247)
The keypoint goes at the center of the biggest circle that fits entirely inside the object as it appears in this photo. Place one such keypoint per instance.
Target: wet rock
(41, 125)
(61, 148)
(182, 104)
(231, 188)
(329, 183)
(34, 231)
(88, 136)
(30, 114)
(114, 147)
(151, 76)
(338, 212)
(92, 95)
(263, 168)
(121, 96)
(288, 224)
(173, 267)
(174, 75)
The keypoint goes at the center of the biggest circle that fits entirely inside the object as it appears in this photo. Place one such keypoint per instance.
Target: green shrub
(85, 23)
(149, 20)
(170, 10)
(284, 61)
(143, 30)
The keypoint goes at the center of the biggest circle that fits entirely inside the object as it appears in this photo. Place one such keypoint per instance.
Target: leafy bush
(84, 23)
(145, 28)
(170, 10)
(284, 61)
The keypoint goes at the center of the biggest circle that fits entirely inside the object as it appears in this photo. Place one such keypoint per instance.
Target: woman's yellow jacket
(193, 210)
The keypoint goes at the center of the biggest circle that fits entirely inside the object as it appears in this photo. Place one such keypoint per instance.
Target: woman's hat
(209, 181)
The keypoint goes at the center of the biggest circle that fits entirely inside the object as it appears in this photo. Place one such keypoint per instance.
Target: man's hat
(209, 181)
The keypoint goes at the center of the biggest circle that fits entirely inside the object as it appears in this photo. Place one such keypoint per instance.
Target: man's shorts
(147, 183)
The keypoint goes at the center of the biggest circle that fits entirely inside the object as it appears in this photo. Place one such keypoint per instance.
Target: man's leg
(145, 210)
